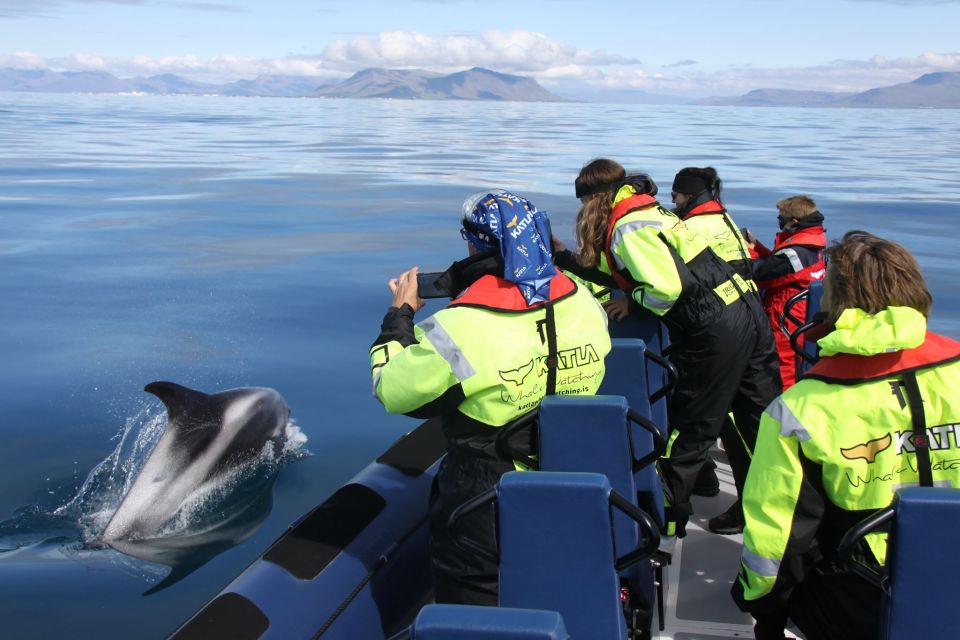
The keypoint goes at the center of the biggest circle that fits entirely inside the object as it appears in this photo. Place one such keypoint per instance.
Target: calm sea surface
(224, 242)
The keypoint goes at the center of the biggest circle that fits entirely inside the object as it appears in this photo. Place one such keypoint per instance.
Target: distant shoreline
(931, 91)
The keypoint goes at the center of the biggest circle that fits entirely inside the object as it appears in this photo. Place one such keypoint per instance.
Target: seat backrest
(466, 622)
(626, 375)
(923, 567)
(591, 433)
(643, 325)
(557, 550)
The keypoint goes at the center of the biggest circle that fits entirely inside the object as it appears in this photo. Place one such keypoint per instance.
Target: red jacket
(795, 261)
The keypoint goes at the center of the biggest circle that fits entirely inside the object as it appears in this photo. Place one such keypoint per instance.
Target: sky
(692, 48)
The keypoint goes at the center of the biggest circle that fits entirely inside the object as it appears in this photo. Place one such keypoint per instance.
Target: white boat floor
(704, 565)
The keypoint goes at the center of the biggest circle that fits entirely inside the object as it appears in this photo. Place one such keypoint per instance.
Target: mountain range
(939, 90)
(473, 84)
(933, 90)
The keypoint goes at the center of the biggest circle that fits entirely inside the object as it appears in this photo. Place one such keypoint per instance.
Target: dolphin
(207, 435)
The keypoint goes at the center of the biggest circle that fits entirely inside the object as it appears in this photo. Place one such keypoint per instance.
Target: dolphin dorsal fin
(178, 399)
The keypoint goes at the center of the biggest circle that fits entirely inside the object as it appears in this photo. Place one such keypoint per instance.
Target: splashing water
(84, 517)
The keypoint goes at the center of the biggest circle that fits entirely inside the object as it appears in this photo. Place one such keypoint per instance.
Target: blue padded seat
(922, 565)
(645, 326)
(590, 433)
(626, 375)
(557, 550)
(466, 622)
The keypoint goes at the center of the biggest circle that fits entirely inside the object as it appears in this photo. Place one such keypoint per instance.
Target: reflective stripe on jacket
(834, 448)
(664, 266)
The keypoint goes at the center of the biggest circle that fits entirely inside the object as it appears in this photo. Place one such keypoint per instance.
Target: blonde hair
(870, 273)
(593, 219)
(797, 207)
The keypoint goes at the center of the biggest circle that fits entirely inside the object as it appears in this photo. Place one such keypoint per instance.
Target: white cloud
(516, 51)
(840, 75)
(219, 68)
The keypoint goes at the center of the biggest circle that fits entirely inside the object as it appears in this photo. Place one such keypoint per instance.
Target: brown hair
(870, 273)
(797, 207)
(594, 216)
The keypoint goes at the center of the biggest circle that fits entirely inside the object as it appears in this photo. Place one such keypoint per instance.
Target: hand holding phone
(404, 290)
(427, 285)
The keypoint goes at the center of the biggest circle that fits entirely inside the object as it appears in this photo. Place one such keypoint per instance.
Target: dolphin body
(206, 436)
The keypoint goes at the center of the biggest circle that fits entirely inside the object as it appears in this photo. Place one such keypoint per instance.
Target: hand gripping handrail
(849, 545)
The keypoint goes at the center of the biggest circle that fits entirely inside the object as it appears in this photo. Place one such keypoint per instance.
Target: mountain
(473, 84)
(778, 98)
(46, 81)
(276, 86)
(56, 82)
(168, 84)
(380, 83)
(934, 90)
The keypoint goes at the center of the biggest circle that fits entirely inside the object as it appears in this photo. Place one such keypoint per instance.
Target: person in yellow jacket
(516, 331)
(720, 341)
(878, 411)
(696, 194)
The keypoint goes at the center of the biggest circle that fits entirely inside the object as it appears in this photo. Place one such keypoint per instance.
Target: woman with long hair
(721, 343)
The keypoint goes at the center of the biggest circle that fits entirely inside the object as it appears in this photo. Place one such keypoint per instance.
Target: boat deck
(702, 571)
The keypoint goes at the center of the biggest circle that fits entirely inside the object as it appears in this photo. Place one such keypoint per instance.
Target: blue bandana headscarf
(513, 225)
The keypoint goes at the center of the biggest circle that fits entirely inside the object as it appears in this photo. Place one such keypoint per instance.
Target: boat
(357, 565)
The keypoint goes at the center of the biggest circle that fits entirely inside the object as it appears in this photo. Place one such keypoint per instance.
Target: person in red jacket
(795, 261)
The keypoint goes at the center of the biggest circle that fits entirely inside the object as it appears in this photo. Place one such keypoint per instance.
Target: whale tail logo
(518, 375)
(868, 450)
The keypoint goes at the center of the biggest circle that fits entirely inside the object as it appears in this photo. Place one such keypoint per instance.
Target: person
(834, 447)
(696, 194)
(795, 261)
(720, 342)
(516, 330)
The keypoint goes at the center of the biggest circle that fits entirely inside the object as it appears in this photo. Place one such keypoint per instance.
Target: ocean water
(225, 242)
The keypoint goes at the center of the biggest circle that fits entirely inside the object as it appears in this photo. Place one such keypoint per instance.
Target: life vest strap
(920, 440)
(551, 329)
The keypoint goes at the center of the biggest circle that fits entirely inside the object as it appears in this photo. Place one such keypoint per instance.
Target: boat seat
(921, 578)
(645, 326)
(594, 433)
(556, 547)
(810, 352)
(469, 622)
(626, 375)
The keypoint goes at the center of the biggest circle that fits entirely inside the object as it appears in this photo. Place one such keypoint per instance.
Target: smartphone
(427, 286)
